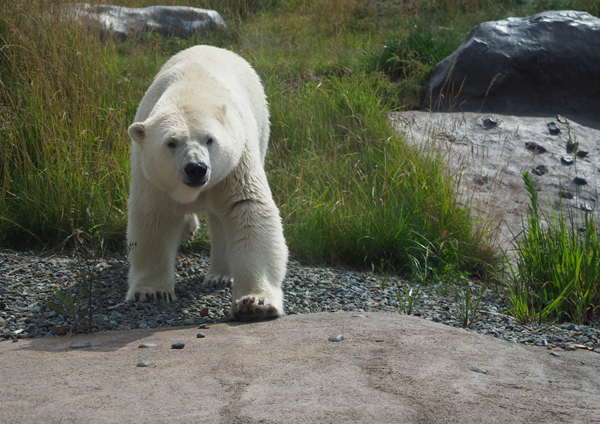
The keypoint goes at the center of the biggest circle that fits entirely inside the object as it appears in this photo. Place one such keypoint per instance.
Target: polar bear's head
(186, 149)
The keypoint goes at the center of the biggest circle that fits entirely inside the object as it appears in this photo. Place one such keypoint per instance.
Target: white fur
(203, 94)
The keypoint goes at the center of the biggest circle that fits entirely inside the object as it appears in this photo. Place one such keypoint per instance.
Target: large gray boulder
(124, 22)
(546, 63)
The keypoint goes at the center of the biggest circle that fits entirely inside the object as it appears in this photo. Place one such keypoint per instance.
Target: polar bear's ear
(137, 132)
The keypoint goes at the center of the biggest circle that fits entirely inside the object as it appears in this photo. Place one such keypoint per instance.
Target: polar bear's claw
(147, 295)
(215, 281)
(247, 308)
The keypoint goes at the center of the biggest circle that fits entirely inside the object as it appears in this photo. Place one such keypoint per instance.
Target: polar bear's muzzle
(196, 174)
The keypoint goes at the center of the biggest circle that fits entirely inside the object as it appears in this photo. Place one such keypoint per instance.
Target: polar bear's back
(234, 72)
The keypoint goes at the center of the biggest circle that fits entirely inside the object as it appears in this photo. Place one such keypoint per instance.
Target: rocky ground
(28, 281)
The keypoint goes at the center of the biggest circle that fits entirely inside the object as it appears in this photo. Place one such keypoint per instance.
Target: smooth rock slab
(124, 22)
(545, 63)
(285, 371)
(502, 154)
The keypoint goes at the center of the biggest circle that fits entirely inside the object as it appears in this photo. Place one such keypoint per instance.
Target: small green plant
(557, 275)
(81, 302)
(411, 296)
(86, 297)
(468, 297)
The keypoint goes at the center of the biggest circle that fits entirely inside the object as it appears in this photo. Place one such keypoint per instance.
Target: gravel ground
(27, 281)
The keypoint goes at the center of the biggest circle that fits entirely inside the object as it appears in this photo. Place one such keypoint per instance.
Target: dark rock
(124, 22)
(565, 194)
(534, 147)
(579, 181)
(523, 66)
(567, 160)
(553, 128)
(177, 345)
(558, 355)
(200, 335)
(144, 364)
(489, 122)
(581, 154)
(336, 338)
(480, 179)
(540, 170)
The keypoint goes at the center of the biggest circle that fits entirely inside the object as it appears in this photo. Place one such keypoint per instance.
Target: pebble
(144, 364)
(511, 386)
(201, 335)
(558, 355)
(177, 345)
(567, 159)
(203, 326)
(579, 181)
(146, 345)
(80, 345)
(336, 338)
(479, 370)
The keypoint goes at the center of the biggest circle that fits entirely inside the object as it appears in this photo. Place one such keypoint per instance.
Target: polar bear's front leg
(257, 256)
(153, 241)
(219, 272)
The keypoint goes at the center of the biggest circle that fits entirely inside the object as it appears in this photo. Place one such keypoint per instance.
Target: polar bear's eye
(171, 144)
(209, 140)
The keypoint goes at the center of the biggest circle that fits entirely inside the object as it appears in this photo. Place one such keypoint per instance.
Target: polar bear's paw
(148, 294)
(254, 308)
(217, 280)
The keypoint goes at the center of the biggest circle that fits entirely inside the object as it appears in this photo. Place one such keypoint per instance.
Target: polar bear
(198, 145)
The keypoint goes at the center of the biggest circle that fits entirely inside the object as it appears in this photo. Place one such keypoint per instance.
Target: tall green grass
(64, 100)
(352, 190)
(557, 272)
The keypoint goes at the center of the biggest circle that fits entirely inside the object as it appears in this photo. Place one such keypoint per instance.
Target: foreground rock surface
(388, 368)
(542, 63)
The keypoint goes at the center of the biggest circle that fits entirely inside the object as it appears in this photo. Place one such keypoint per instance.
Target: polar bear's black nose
(195, 171)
